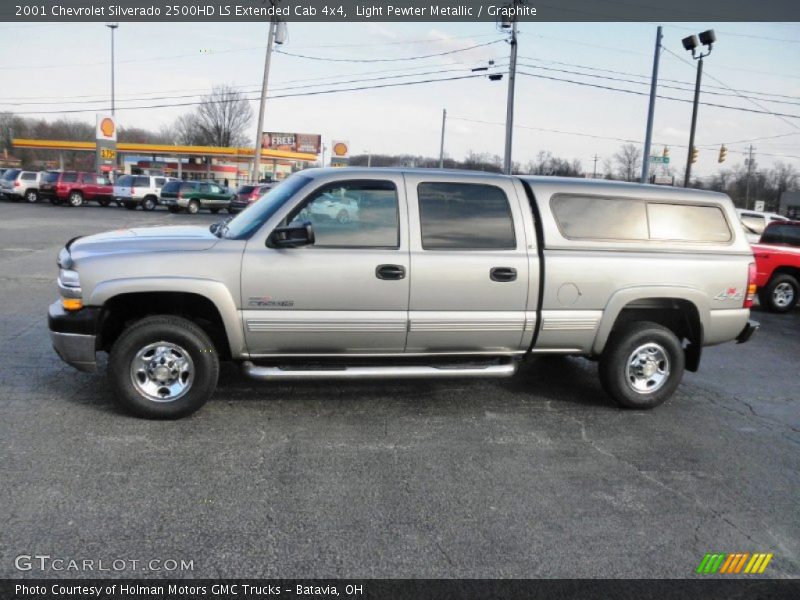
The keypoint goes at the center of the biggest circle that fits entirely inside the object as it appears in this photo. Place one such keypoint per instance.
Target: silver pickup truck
(432, 274)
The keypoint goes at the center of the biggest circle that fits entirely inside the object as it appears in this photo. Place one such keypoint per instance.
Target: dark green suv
(191, 196)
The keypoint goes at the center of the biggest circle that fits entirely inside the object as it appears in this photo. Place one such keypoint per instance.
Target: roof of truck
(542, 181)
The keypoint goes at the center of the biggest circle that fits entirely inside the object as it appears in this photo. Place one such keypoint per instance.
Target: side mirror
(292, 236)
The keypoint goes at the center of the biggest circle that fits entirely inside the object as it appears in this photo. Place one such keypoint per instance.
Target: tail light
(133, 191)
(17, 184)
(751, 286)
(180, 195)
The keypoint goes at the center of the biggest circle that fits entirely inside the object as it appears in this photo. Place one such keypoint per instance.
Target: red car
(778, 266)
(76, 187)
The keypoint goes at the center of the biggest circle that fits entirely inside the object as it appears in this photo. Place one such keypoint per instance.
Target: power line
(381, 60)
(634, 92)
(312, 93)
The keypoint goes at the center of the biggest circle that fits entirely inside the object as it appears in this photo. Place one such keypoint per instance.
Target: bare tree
(220, 119)
(628, 162)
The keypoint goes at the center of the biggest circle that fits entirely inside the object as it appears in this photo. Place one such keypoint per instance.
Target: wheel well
(122, 311)
(793, 271)
(679, 316)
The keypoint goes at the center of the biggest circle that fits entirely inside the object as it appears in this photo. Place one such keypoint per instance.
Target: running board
(389, 372)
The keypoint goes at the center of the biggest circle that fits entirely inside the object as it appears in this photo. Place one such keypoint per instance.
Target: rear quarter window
(634, 219)
(124, 181)
(141, 182)
(69, 177)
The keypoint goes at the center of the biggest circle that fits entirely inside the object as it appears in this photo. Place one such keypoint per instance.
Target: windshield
(248, 221)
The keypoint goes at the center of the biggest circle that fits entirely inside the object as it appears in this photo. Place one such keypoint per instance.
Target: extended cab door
(470, 274)
(345, 294)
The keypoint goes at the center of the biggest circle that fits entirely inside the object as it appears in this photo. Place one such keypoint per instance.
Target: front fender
(214, 291)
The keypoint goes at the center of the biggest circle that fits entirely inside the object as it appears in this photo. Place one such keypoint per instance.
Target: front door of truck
(470, 273)
(345, 294)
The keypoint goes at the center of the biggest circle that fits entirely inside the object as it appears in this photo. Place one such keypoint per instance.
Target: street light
(112, 27)
(691, 43)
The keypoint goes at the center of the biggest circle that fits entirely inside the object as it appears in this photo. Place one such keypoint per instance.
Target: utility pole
(112, 27)
(512, 75)
(747, 180)
(651, 109)
(594, 173)
(273, 24)
(441, 145)
(690, 43)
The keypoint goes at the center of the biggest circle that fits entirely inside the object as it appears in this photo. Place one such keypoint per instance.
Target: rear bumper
(74, 335)
(747, 332)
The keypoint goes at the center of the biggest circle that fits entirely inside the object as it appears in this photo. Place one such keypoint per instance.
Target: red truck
(778, 266)
(73, 188)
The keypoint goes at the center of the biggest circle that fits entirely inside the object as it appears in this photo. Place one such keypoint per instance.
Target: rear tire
(149, 203)
(193, 208)
(75, 199)
(32, 196)
(642, 365)
(780, 294)
(174, 210)
(163, 367)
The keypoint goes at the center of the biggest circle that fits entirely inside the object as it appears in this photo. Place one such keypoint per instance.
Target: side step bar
(389, 372)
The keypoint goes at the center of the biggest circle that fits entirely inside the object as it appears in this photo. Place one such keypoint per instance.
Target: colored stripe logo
(735, 563)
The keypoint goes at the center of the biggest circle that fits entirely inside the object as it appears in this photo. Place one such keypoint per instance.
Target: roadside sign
(759, 206)
(664, 160)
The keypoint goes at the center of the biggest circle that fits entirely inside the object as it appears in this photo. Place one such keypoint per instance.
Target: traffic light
(723, 154)
(694, 154)
(665, 153)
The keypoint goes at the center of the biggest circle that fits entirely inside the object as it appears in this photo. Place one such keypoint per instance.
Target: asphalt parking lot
(536, 476)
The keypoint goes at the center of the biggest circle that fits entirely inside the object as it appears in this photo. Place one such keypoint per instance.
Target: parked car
(7, 179)
(194, 195)
(755, 222)
(169, 195)
(131, 191)
(247, 194)
(445, 274)
(778, 266)
(24, 185)
(73, 188)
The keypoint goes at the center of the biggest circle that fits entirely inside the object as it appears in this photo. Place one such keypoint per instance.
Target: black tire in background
(642, 365)
(781, 293)
(149, 203)
(129, 205)
(104, 202)
(135, 355)
(174, 209)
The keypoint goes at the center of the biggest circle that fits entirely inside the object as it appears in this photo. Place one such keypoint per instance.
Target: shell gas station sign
(340, 153)
(106, 136)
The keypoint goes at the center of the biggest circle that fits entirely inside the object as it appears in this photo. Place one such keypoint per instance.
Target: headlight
(65, 259)
(69, 278)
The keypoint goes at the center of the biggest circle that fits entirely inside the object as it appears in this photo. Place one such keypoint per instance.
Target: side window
(353, 214)
(587, 217)
(215, 189)
(687, 223)
(88, 178)
(204, 187)
(28, 176)
(69, 177)
(102, 180)
(465, 216)
(159, 181)
(141, 182)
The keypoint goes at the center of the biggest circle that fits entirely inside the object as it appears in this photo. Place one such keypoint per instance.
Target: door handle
(502, 274)
(390, 272)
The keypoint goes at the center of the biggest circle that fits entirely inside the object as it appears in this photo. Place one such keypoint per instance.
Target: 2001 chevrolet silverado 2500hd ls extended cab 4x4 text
(438, 273)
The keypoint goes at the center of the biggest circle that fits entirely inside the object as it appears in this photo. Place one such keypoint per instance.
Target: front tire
(75, 199)
(163, 367)
(193, 208)
(149, 203)
(32, 196)
(642, 365)
(780, 294)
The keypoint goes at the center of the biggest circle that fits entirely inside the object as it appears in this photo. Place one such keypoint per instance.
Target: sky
(66, 67)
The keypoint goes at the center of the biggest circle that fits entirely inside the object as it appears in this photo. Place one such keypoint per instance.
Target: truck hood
(184, 238)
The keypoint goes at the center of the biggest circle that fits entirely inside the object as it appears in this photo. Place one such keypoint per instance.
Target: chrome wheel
(648, 368)
(75, 199)
(31, 196)
(783, 295)
(162, 372)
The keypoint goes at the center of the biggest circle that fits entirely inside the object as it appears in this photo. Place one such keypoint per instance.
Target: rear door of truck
(474, 264)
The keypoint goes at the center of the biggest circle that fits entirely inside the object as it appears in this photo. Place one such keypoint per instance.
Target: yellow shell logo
(340, 149)
(107, 127)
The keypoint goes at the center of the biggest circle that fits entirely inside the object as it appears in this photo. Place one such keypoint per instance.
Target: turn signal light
(71, 303)
(751, 286)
